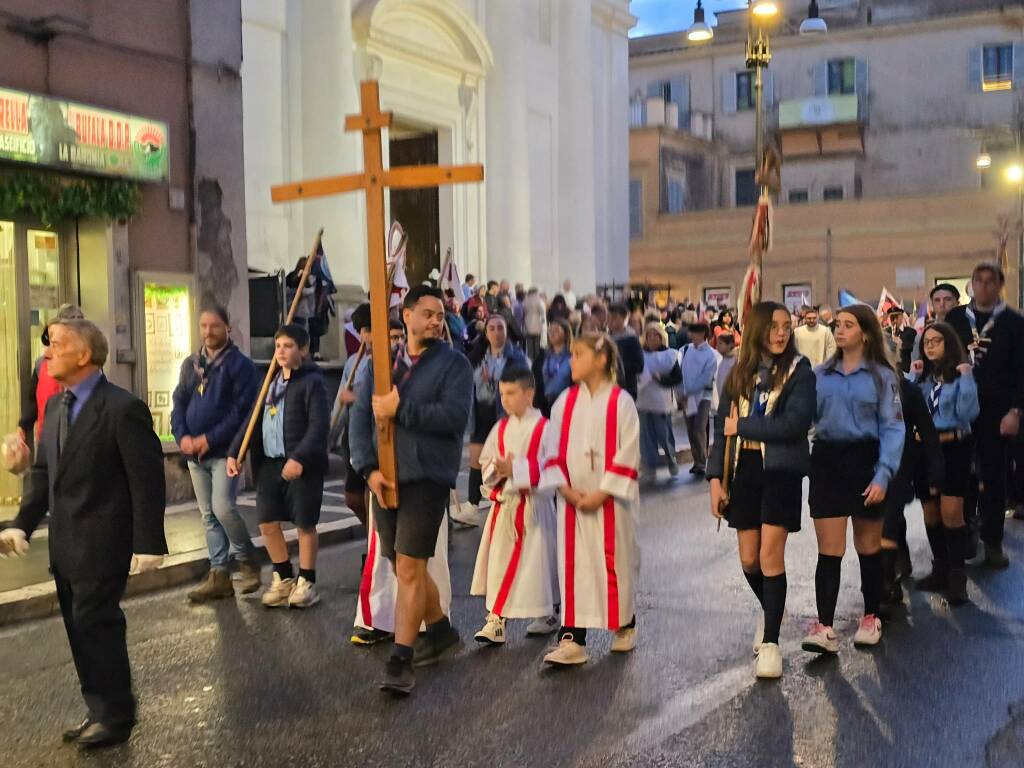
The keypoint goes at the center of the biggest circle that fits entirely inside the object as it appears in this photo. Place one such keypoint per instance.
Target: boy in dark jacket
(289, 459)
(216, 388)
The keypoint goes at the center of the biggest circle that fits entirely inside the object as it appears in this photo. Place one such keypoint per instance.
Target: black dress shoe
(72, 734)
(98, 735)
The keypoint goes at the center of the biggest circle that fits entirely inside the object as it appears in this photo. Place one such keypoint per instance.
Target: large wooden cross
(373, 181)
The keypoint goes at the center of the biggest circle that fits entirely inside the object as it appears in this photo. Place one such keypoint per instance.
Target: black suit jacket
(1000, 371)
(106, 494)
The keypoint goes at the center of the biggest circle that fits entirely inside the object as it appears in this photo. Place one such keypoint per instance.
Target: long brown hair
(603, 344)
(756, 327)
(562, 323)
(874, 343)
(952, 354)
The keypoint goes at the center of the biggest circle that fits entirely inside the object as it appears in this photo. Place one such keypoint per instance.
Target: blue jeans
(655, 434)
(226, 533)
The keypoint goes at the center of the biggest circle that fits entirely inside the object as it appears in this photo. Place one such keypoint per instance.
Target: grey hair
(92, 336)
(69, 312)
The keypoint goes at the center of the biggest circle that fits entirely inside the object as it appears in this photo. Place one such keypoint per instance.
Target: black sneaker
(399, 679)
(956, 592)
(994, 556)
(364, 636)
(429, 648)
(936, 581)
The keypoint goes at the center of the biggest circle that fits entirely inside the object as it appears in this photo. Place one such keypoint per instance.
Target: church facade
(535, 90)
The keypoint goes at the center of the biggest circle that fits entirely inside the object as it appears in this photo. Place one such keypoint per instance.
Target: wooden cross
(591, 454)
(373, 181)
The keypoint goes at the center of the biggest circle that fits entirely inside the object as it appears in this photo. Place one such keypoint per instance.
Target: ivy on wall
(53, 198)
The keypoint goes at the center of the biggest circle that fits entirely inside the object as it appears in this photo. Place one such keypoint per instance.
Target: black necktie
(67, 400)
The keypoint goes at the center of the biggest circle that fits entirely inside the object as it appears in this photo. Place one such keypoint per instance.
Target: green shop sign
(68, 136)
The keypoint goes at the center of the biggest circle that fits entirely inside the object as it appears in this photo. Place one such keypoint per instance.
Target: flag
(847, 299)
(450, 279)
(396, 265)
(760, 244)
(924, 311)
(886, 303)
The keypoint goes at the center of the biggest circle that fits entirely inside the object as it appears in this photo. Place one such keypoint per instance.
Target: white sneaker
(759, 634)
(624, 640)
(493, 632)
(544, 626)
(304, 595)
(466, 514)
(869, 632)
(567, 653)
(769, 662)
(278, 592)
(821, 639)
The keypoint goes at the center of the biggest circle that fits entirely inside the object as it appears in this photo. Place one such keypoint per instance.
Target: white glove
(145, 563)
(13, 543)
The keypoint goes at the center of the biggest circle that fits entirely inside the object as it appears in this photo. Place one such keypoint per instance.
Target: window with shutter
(997, 67)
(832, 193)
(746, 188)
(746, 98)
(636, 212)
(798, 196)
(842, 76)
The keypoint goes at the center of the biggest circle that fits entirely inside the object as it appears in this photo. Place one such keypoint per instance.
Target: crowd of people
(567, 407)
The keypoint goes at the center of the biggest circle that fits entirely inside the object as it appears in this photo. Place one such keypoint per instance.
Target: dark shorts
(412, 529)
(759, 498)
(297, 501)
(956, 479)
(840, 472)
(354, 482)
(485, 416)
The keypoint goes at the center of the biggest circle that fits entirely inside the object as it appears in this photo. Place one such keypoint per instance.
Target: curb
(39, 601)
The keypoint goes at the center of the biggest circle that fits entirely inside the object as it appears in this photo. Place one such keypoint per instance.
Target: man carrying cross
(428, 405)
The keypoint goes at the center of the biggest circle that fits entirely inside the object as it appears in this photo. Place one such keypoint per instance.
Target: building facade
(121, 185)
(531, 89)
(879, 126)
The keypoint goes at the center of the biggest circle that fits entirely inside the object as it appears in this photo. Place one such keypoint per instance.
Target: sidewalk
(27, 590)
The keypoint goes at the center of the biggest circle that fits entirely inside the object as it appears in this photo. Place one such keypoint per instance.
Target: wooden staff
(727, 468)
(272, 368)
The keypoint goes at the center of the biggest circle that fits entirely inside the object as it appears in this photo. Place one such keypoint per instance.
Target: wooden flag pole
(272, 368)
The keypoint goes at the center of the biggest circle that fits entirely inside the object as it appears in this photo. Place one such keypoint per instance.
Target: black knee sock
(439, 627)
(309, 574)
(400, 655)
(956, 545)
(871, 581)
(756, 582)
(826, 587)
(579, 636)
(937, 541)
(774, 606)
(475, 481)
(890, 558)
(284, 570)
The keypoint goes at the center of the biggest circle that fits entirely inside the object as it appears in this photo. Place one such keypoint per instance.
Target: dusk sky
(656, 16)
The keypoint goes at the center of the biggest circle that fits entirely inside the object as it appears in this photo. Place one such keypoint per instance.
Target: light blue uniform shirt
(957, 403)
(861, 406)
(273, 420)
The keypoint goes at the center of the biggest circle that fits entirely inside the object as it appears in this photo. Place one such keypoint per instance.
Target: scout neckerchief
(204, 366)
(933, 398)
(765, 402)
(973, 320)
(275, 395)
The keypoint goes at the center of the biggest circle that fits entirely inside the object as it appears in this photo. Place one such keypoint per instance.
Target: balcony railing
(655, 111)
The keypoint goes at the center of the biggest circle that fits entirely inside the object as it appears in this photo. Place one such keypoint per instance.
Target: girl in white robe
(596, 460)
(515, 561)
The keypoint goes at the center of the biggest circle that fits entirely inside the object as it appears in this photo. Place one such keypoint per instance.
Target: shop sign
(796, 295)
(718, 297)
(65, 135)
(168, 326)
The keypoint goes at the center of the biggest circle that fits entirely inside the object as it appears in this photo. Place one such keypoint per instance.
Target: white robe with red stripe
(515, 565)
(378, 587)
(597, 449)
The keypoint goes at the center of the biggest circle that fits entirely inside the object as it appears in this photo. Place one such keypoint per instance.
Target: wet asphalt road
(236, 685)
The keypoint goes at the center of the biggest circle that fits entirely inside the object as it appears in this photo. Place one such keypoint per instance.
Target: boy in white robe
(515, 564)
(597, 430)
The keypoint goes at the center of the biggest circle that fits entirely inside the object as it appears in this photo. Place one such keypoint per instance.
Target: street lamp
(764, 8)
(813, 24)
(1015, 173)
(699, 31)
(984, 161)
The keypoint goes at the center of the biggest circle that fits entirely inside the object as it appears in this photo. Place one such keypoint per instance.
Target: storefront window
(43, 284)
(168, 319)
(10, 401)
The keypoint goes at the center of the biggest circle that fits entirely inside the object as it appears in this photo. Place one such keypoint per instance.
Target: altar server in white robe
(516, 569)
(598, 454)
(378, 587)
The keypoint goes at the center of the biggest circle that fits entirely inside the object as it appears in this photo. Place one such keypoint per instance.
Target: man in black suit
(99, 473)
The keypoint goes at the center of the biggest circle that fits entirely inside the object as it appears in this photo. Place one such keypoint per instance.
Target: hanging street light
(813, 24)
(764, 8)
(699, 31)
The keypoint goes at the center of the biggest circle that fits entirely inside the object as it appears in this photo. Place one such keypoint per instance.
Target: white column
(576, 177)
(506, 164)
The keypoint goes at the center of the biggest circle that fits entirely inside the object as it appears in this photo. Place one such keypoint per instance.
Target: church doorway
(418, 210)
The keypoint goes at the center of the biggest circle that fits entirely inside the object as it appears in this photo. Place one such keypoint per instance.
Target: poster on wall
(718, 297)
(796, 295)
(168, 318)
(65, 135)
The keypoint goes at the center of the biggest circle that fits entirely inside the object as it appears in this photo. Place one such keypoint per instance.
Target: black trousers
(992, 466)
(96, 631)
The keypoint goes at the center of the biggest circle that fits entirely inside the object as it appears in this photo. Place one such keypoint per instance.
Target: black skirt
(840, 473)
(759, 498)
